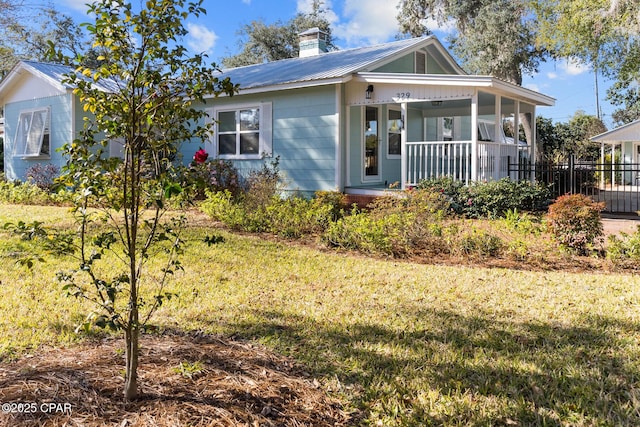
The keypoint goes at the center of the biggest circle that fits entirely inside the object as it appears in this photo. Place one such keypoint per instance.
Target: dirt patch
(190, 380)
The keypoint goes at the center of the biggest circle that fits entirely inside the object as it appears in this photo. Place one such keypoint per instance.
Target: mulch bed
(236, 384)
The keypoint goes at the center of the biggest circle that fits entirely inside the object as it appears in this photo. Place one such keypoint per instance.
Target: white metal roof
(624, 133)
(53, 73)
(328, 66)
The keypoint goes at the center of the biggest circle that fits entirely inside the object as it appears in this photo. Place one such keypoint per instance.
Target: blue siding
(305, 129)
(354, 145)
(60, 128)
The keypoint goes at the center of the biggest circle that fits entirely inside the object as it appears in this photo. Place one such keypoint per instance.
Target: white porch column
(533, 144)
(602, 162)
(498, 123)
(474, 136)
(613, 172)
(516, 124)
(497, 131)
(403, 145)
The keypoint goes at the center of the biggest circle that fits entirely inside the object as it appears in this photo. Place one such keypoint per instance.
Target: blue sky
(363, 22)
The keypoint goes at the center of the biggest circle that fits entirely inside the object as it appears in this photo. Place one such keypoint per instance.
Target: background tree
(26, 30)
(261, 42)
(603, 33)
(548, 139)
(150, 108)
(492, 37)
(583, 126)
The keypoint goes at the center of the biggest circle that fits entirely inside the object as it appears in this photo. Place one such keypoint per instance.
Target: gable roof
(54, 74)
(331, 66)
(624, 133)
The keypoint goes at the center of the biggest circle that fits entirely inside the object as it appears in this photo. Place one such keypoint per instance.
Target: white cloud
(201, 39)
(246, 1)
(367, 22)
(79, 5)
(306, 6)
(573, 67)
(552, 75)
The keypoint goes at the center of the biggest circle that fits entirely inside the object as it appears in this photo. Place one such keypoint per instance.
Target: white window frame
(398, 132)
(264, 131)
(363, 149)
(27, 143)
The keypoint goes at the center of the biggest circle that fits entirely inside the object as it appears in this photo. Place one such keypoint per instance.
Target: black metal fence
(617, 184)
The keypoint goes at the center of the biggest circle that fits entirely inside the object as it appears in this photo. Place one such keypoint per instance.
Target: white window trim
(46, 131)
(265, 148)
(393, 156)
(370, 178)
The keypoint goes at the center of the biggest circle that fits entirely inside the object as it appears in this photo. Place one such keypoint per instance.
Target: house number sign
(403, 95)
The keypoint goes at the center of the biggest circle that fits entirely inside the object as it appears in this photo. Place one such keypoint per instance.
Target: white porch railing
(427, 160)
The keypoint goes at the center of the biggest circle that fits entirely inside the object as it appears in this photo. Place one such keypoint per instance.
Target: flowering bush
(42, 176)
(201, 156)
(214, 175)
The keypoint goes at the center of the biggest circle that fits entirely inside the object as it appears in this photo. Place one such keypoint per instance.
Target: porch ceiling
(486, 83)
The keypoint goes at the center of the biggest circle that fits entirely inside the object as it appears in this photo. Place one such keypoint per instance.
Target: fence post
(572, 168)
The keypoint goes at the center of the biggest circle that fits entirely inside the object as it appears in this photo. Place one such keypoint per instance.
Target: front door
(371, 155)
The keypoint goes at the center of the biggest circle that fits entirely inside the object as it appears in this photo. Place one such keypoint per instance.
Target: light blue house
(356, 120)
(623, 143)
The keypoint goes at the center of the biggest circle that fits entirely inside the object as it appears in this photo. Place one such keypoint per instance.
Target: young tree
(144, 97)
(271, 42)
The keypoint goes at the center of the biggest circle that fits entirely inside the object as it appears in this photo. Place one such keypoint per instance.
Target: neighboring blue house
(355, 120)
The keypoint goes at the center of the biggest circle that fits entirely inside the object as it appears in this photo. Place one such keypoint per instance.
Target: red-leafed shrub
(574, 220)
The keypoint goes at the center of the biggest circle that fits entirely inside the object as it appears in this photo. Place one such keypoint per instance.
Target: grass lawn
(399, 343)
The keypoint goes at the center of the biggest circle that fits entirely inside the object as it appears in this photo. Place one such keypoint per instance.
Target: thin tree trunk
(132, 334)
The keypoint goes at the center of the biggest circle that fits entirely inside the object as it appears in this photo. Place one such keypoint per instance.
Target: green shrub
(335, 199)
(392, 225)
(28, 193)
(624, 250)
(452, 190)
(574, 221)
(479, 243)
(359, 231)
(289, 217)
(222, 207)
(522, 222)
(213, 175)
(494, 198)
(490, 199)
(297, 216)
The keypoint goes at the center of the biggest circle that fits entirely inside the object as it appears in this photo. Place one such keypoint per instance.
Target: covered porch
(404, 129)
(620, 155)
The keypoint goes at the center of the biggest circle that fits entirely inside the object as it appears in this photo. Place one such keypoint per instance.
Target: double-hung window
(243, 132)
(33, 134)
